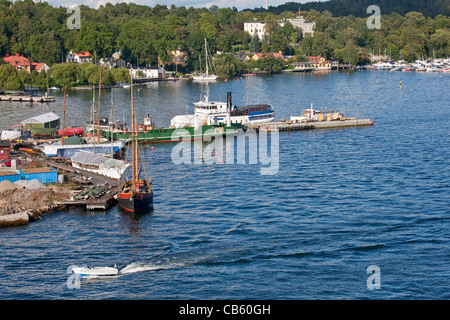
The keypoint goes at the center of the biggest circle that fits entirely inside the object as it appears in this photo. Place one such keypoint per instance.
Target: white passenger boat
(208, 112)
(88, 271)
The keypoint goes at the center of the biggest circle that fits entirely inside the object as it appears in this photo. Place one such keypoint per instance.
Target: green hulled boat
(154, 135)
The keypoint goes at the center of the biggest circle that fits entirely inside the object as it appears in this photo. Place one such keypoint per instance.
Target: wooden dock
(312, 124)
(21, 98)
(102, 202)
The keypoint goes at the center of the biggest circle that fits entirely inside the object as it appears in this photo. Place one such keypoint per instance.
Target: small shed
(47, 120)
(5, 149)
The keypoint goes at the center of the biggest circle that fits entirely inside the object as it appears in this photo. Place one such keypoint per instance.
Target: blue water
(342, 200)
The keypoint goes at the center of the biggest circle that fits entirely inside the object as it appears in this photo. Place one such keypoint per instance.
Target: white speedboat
(88, 271)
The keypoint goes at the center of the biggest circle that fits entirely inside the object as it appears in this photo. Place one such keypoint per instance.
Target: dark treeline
(357, 8)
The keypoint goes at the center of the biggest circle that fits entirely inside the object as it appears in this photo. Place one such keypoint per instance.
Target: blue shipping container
(12, 178)
(43, 177)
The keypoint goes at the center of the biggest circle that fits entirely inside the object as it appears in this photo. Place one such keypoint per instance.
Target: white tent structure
(99, 164)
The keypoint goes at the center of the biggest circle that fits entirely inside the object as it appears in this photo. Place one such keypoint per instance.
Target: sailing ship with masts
(136, 194)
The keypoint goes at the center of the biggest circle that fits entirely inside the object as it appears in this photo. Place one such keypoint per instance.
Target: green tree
(120, 75)
(255, 44)
(24, 77)
(413, 41)
(65, 74)
(440, 41)
(321, 45)
(228, 66)
(13, 83)
(44, 48)
(6, 71)
(350, 53)
(270, 64)
(96, 38)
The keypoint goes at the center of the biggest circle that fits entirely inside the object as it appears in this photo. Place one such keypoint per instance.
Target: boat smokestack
(229, 100)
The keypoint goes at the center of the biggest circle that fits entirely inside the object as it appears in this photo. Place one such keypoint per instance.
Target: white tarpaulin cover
(99, 164)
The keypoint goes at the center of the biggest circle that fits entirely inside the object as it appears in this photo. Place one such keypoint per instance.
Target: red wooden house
(5, 149)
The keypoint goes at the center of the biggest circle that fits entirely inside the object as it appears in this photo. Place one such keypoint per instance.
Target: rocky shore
(30, 197)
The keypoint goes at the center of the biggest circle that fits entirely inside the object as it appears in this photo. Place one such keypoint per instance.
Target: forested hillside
(429, 8)
(149, 34)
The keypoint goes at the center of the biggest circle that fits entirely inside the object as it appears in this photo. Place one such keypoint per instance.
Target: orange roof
(16, 60)
(275, 55)
(84, 54)
(36, 66)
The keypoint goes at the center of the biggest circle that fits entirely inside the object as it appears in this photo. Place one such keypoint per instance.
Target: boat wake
(135, 267)
(203, 256)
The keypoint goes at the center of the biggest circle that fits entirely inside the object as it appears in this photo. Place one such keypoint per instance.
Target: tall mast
(132, 110)
(248, 85)
(99, 95)
(64, 116)
(133, 134)
(206, 57)
(135, 165)
(113, 119)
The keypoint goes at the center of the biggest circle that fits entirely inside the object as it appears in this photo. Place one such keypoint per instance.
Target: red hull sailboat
(136, 194)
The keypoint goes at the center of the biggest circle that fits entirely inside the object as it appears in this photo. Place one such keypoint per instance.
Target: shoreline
(35, 203)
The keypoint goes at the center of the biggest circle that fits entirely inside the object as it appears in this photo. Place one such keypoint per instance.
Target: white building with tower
(300, 22)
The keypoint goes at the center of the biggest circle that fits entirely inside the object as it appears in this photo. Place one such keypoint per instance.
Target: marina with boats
(420, 65)
(29, 94)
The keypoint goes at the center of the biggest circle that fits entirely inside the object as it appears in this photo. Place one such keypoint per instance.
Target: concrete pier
(16, 219)
(312, 124)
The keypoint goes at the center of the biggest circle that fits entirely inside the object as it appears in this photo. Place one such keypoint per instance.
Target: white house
(151, 72)
(259, 27)
(255, 27)
(39, 66)
(80, 57)
(115, 61)
(306, 25)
